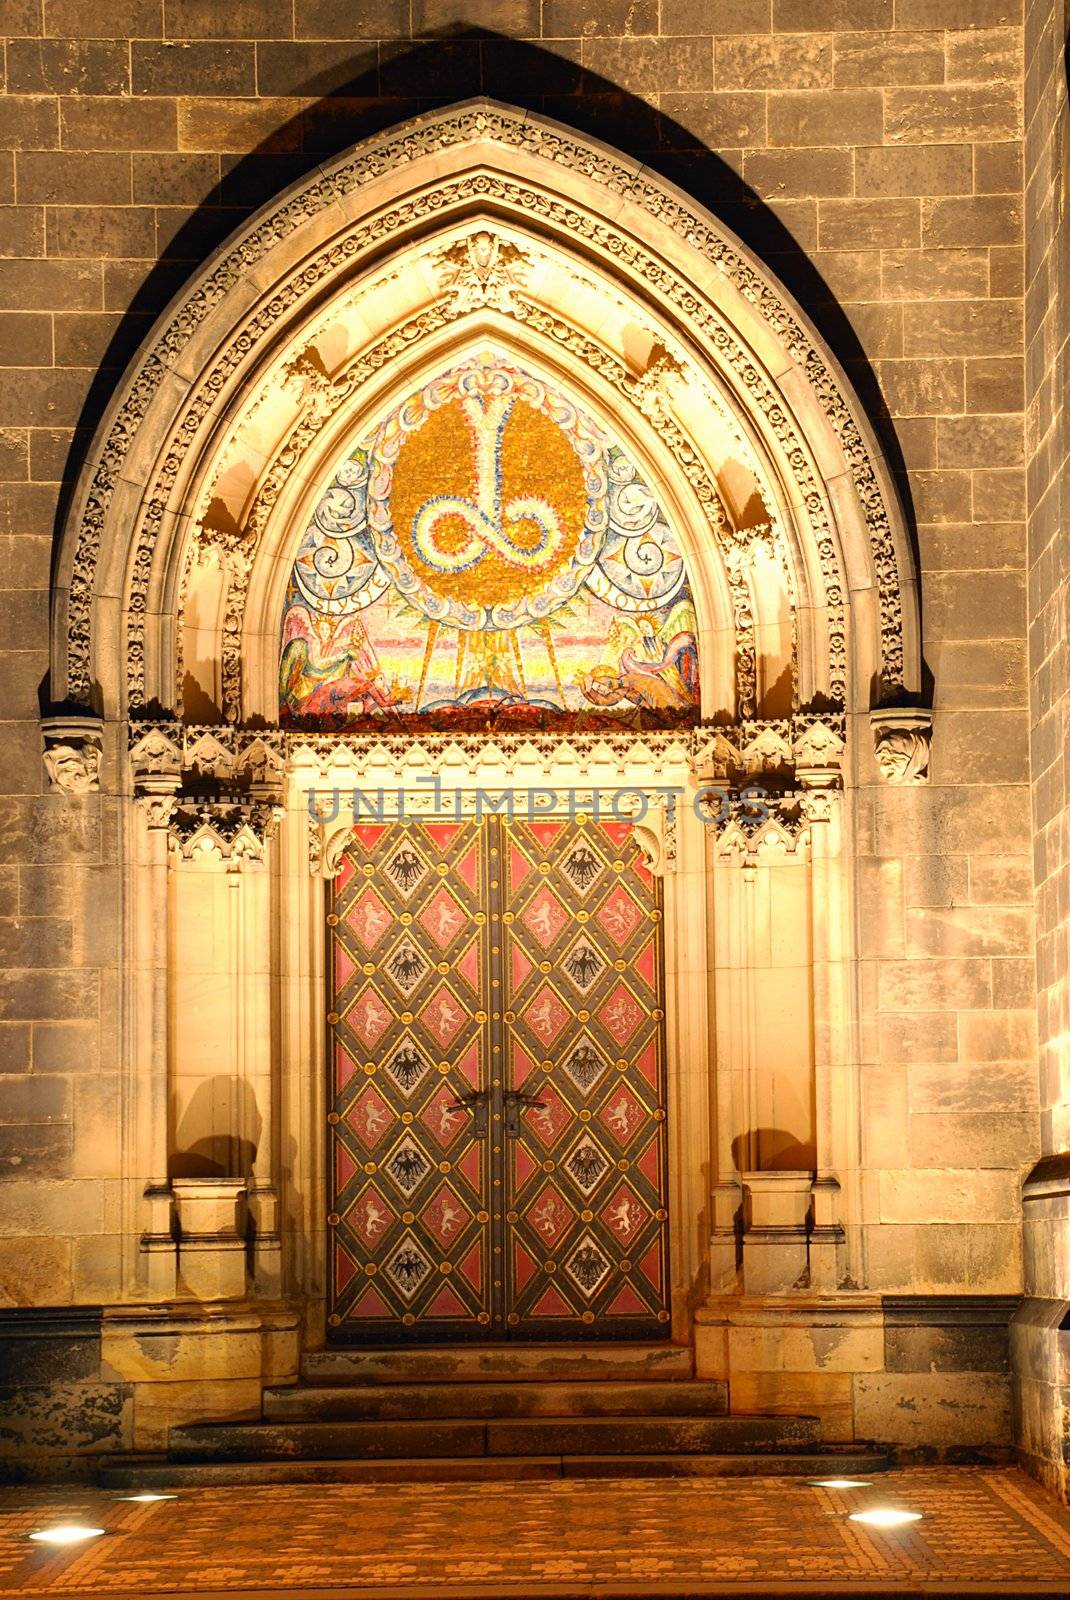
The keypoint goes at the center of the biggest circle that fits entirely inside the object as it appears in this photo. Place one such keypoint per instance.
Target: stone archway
(472, 225)
(692, 305)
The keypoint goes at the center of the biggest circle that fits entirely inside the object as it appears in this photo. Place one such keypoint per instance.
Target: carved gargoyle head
(901, 740)
(74, 768)
(73, 753)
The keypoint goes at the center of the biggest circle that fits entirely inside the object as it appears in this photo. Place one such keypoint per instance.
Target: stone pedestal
(212, 1222)
(775, 1211)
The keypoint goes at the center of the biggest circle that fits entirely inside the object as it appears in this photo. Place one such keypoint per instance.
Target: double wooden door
(497, 1138)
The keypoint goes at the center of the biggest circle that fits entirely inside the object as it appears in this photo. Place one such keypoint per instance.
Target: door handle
(515, 1100)
(476, 1101)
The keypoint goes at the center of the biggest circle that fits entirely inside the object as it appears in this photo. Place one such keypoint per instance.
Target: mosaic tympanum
(488, 554)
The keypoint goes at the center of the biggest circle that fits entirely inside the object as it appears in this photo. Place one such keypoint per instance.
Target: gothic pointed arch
(480, 232)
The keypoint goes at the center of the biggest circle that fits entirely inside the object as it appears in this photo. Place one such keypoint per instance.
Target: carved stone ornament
(262, 767)
(74, 751)
(208, 758)
(228, 826)
(654, 388)
(158, 807)
(902, 736)
(327, 841)
(654, 828)
(767, 749)
(482, 270)
(156, 766)
(817, 744)
(815, 805)
(155, 750)
(763, 831)
(818, 748)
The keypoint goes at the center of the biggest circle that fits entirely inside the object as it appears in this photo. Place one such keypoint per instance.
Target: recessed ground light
(147, 1497)
(840, 1483)
(885, 1517)
(66, 1533)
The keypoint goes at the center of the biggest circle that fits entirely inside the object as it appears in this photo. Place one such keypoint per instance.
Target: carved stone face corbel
(902, 736)
(74, 751)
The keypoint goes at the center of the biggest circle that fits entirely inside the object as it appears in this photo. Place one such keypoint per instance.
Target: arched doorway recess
(482, 233)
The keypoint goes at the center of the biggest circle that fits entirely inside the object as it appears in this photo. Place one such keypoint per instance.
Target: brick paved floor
(982, 1530)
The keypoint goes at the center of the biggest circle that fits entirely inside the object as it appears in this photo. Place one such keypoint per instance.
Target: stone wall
(91, 1381)
(925, 1374)
(1042, 1331)
(872, 153)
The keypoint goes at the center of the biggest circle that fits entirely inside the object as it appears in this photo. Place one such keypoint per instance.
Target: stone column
(224, 1042)
(763, 998)
(255, 909)
(817, 772)
(731, 1000)
(156, 761)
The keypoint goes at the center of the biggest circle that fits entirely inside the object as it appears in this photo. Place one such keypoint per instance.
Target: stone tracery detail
(511, 131)
(228, 826)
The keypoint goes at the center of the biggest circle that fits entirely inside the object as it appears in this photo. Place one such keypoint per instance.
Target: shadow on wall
(203, 1152)
(773, 1150)
(368, 90)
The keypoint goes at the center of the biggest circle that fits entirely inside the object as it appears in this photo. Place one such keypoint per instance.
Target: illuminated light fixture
(885, 1517)
(840, 1483)
(147, 1497)
(66, 1533)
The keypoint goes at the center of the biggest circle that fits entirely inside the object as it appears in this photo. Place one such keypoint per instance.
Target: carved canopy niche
(471, 230)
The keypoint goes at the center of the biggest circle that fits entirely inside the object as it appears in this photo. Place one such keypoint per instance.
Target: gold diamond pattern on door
(497, 1148)
(586, 1170)
(409, 1184)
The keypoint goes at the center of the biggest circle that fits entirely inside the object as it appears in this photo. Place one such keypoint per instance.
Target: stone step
(623, 1436)
(160, 1474)
(399, 1402)
(512, 1363)
(532, 1436)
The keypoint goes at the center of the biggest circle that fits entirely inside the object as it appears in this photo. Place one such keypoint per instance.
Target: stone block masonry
(872, 152)
(1041, 1337)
